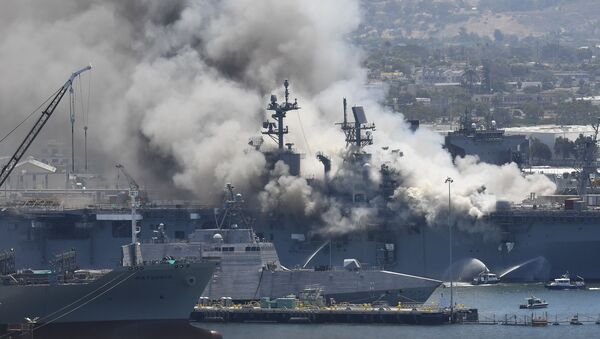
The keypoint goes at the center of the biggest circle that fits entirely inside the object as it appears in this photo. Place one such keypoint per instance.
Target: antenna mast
(277, 130)
(353, 131)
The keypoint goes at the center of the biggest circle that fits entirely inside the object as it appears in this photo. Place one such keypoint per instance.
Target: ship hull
(152, 292)
(351, 286)
(137, 329)
(518, 251)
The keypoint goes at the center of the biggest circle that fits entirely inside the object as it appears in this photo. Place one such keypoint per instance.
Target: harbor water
(493, 301)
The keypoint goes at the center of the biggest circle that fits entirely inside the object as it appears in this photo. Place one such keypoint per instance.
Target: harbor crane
(134, 192)
(39, 124)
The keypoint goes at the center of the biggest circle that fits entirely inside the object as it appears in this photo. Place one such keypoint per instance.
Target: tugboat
(566, 283)
(533, 303)
(485, 278)
(575, 320)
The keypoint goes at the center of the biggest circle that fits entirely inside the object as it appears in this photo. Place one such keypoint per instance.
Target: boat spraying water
(464, 270)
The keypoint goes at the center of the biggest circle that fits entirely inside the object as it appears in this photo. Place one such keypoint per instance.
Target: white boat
(533, 303)
(566, 283)
(485, 278)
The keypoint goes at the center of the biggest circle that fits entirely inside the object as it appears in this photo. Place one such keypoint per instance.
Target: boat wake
(456, 284)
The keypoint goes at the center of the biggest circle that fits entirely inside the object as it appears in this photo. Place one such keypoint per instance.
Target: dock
(348, 314)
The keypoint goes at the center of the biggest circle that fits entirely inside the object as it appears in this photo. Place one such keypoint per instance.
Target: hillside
(423, 19)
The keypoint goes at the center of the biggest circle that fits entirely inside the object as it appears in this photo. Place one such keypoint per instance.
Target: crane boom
(132, 184)
(37, 127)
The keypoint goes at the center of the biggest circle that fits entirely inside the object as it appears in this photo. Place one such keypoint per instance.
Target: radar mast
(277, 130)
(354, 130)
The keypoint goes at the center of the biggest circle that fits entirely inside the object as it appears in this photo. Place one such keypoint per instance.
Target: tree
(498, 36)
(580, 146)
(532, 90)
(539, 150)
(533, 112)
(469, 79)
(503, 117)
(564, 147)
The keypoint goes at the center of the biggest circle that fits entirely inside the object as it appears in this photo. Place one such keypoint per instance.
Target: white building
(548, 133)
(34, 174)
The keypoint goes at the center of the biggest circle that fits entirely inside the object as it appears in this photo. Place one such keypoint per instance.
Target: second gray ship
(250, 268)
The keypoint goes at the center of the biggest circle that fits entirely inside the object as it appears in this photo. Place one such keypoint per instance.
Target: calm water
(490, 300)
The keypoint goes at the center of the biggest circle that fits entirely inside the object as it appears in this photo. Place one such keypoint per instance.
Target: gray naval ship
(250, 268)
(65, 294)
(535, 240)
(486, 141)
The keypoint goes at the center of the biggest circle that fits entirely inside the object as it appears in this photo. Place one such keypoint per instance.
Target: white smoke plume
(180, 86)
(289, 193)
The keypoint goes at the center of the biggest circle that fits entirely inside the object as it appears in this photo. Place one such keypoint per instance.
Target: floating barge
(353, 315)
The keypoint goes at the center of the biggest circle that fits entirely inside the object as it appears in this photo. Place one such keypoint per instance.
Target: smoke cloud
(180, 86)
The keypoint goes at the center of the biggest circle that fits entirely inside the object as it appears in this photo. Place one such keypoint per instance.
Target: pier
(532, 320)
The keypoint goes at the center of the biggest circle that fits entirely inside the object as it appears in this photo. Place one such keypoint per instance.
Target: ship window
(228, 249)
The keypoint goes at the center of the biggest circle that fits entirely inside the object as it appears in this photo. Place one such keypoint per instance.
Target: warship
(487, 141)
(65, 294)
(534, 240)
(250, 268)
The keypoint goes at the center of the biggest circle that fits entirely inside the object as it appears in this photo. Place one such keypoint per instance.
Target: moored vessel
(566, 283)
(533, 303)
(148, 292)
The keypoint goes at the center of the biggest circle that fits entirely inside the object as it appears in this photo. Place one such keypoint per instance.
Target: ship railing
(326, 268)
(180, 260)
(149, 206)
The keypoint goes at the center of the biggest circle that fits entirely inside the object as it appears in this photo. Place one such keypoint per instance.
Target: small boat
(533, 303)
(485, 278)
(566, 283)
(575, 320)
